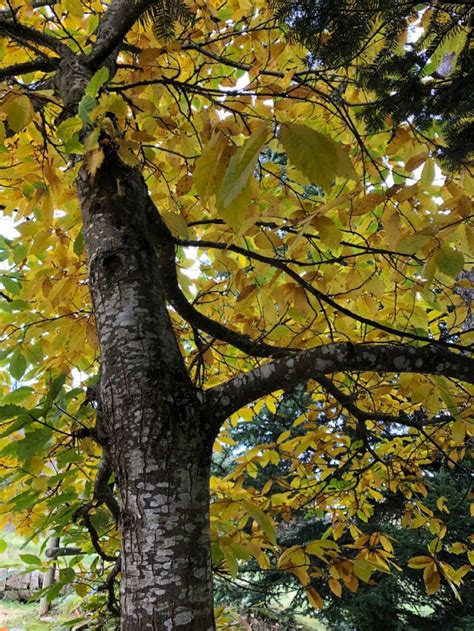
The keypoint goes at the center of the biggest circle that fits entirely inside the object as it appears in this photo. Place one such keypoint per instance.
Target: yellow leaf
(416, 161)
(441, 504)
(282, 437)
(413, 243)
(52, 177)
(367, 203)
(19, 111)
(428, 172)
(419, 562)
(210, 166)
(81, 589)
(314, 598)
(457, 548)
(35, 465)
(458, 432)
(386, 543)
(335, 586)
(241, 167)
(329, 233)
(176, 224)
(317, 156)
(302, 574)
(432, 579)
(319, 546)
(91, 334)
(40, 483)
(75, 8)
(293, 556)
(94, 160)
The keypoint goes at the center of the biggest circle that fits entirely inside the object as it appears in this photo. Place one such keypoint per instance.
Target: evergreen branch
(164, 14)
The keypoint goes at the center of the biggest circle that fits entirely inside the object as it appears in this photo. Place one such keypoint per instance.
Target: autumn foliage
(294, 226)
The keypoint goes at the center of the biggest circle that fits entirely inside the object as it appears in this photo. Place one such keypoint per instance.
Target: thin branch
(164, 243)
(362, 416)
(83, 513)
(319, 295)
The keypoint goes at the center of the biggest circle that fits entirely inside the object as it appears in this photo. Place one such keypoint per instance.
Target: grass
(24, 616)
(17, 615)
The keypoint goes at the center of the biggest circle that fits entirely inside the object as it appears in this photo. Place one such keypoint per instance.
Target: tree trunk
(149, 412)
(166, 573)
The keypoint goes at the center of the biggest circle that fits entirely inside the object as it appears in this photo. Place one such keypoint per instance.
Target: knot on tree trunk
(70, 83)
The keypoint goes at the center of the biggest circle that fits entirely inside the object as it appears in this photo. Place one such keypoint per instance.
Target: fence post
(48, 579)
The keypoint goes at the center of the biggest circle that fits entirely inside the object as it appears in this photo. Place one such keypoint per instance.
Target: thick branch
(83, 513)
(287, 372)
(114, 26)
(164, 244)
(37, 65)
(25, 34)
(102, 492)
(189, 313)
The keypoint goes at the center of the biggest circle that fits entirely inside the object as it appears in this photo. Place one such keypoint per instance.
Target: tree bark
(150, 413)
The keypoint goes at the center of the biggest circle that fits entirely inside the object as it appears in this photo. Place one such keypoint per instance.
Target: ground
(17, 616)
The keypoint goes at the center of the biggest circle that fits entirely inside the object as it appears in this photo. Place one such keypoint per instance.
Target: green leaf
(53, 591)
(74, 145)
(413, 244)
(231, 561)
(34, 353)
(445, 390)
(17, 395)
(3, 546)
(78, 247)
(210, 166)
(18, 365)
(262, 520)
(11, 410)
(86, 105)
(318, 157)
(96, 82)
(363, 569)
(241, 167)
(11, 285)
(31, 559)
(16, 425)
(449, 261)
(69, 127)
(54, 389)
